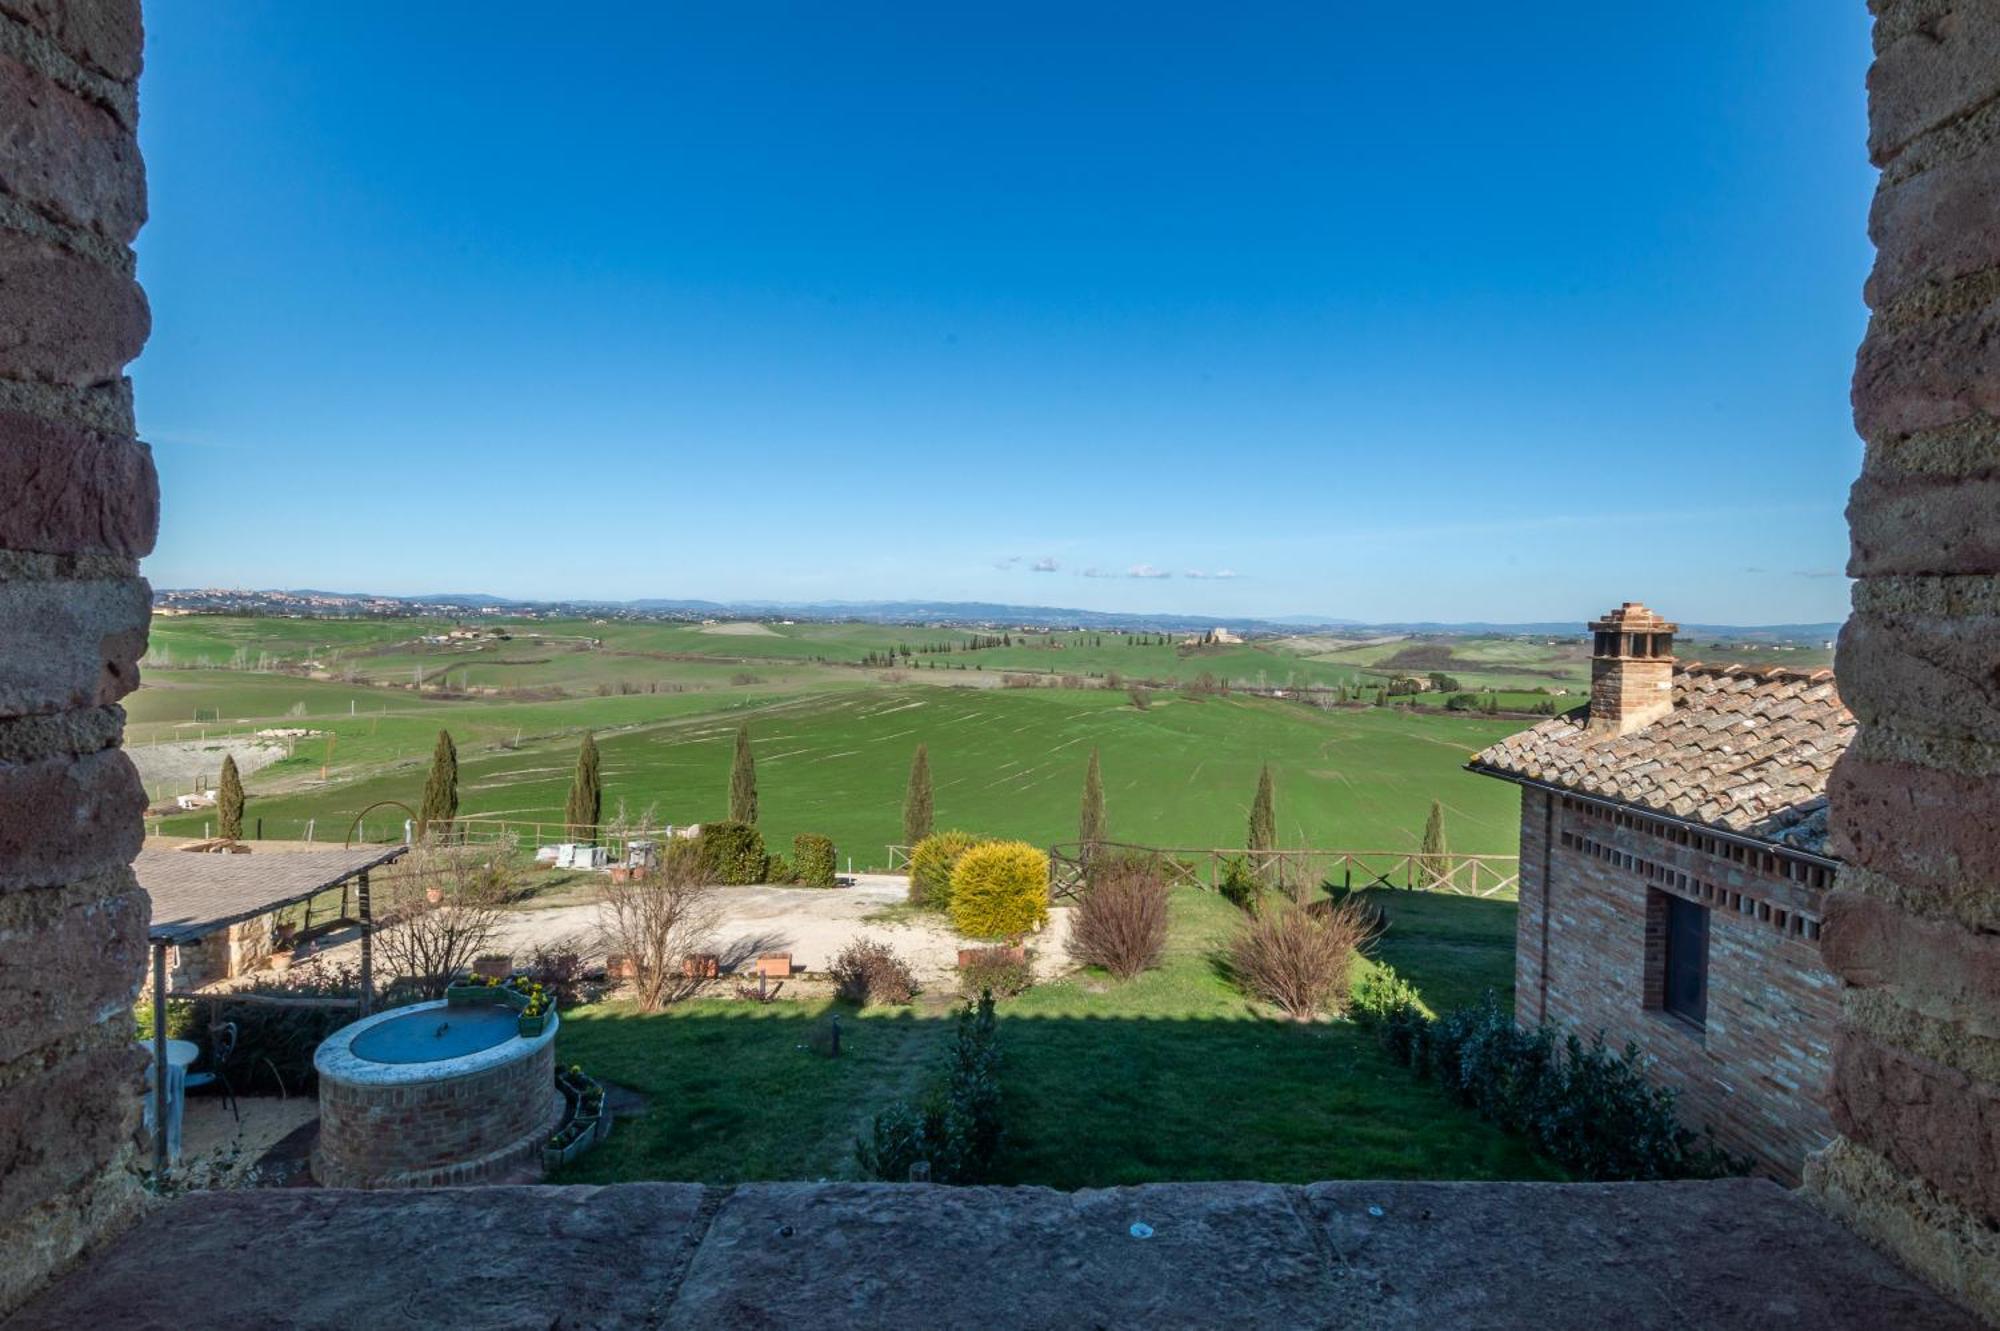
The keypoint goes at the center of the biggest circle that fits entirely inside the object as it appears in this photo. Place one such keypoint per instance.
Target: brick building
(1673, 876)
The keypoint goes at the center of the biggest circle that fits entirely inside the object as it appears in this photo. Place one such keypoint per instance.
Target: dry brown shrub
(1121, 923)
(655, 922)
(868, 971)
(440, 907)
(1300, 960)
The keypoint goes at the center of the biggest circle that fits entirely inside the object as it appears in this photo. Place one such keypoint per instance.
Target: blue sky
(1468, 311)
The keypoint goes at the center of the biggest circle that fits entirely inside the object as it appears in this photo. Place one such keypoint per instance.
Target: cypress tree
(229, 801)
(440, 804)
(917, 799)
(1090, 822)
(743, 780)
(1263, 814)
(1434, 850)
(586, 794)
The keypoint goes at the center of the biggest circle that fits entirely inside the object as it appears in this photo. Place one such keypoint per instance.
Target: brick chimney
(1631, 670)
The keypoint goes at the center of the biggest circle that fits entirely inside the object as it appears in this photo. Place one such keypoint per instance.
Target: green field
(1169, 1076)
(833, 755)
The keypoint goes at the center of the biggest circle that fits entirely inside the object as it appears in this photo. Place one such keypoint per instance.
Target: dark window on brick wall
(1685, 972)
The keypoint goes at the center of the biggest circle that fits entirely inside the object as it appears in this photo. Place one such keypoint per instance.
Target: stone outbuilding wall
(1913, 926)
(79, 505)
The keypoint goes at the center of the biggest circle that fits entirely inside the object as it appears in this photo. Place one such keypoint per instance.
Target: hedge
(1000, 890)
(812, 860)
(733, 854)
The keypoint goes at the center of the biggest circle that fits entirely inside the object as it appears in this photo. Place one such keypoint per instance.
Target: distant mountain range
(309, 601)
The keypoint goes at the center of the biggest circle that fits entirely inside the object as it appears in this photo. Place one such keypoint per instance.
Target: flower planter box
(777, 965)
(554, 1157)
(499, 965)
(460, 995)
(701, 966)
(531, 1027)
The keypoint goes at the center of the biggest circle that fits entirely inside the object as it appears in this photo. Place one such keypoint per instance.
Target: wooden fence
(1301, 871)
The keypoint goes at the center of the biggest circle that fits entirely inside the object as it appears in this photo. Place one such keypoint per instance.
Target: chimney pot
(1631, 670)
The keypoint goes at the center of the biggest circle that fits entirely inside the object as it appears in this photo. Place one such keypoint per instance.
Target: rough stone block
(68, 959)
(1929, 829)
(1921, 524)
(67, 490)
(69, 818)
(102, 35)
(1936, 226)
(1933, 70)
(67, 157)
(1927, 673)
(1927, 1118)
(70, 319)
(1923, 374)
(79, 642)
(1939, 968)
(62, 1126)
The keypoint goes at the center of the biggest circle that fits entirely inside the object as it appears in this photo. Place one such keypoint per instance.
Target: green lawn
(1169, 1076)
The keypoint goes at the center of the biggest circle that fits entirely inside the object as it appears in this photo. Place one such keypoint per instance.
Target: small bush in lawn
(778, 872)
(956, 1129)
(1121, 923)
(1379, 993)
(870, 972)
(1239, 887)
(1000, 890)
(931, 863)
(1298, 960)
(1001, 971)
(733, 854)
(813, 858)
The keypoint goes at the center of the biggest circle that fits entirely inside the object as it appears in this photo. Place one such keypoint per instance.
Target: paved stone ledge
(1244, 1255)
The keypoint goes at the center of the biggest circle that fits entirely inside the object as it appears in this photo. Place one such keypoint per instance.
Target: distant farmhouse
(1673, 868)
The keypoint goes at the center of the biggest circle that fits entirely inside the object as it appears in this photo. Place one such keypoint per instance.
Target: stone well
(392, 1116)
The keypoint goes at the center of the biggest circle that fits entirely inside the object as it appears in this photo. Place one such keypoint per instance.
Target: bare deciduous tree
(441, 907)
(656, 921)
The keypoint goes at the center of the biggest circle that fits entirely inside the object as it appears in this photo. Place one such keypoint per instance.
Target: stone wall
(1588, 958)
(78, 507)
(1916, 802)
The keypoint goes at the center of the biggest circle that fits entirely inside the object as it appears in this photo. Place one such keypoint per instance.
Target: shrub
(733, 854)
(1121, 923)
(956, 1130)
(1299, 960)
(1000, 890)
(274, 1045)
(1239, 887)
(558, 967)
(1140, 698)
(931, 863)
(1380, 993)
(778, 871)
(1002, 971)
(814, 857)
(1592, 1110)
(870, 972)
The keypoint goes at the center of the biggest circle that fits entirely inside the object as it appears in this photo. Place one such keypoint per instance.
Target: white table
(180, 1053)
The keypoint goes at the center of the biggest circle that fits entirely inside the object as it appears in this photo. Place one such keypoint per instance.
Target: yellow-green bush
(1000, 889)
(931, 863)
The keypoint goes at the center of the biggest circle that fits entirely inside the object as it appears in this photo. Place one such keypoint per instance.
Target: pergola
(196, 894)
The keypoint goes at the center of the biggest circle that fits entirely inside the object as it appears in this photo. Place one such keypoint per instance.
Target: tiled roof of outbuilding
(1745, 750)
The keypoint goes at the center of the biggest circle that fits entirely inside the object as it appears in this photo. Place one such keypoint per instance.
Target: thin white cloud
(1221, 574)
(1094, 572)
(1009, 562)
(1146, 571)
(1046, 564)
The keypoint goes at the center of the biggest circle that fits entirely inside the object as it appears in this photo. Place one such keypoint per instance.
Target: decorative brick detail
(70, 320)
(67, 490)
(88, 637)
(69, 818)
(67, 157)
(73, 958)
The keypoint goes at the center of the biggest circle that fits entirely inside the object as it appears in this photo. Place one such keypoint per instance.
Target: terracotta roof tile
(1744, 750)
